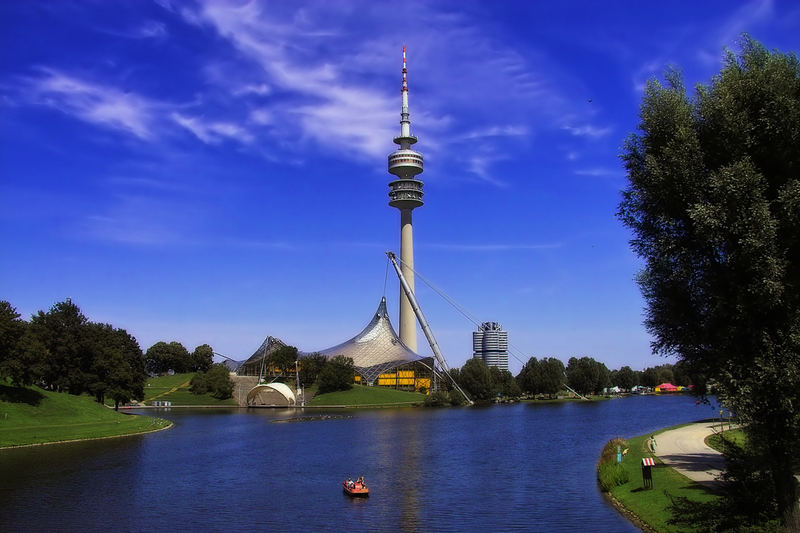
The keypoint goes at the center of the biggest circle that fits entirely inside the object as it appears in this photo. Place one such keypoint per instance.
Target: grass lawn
(652, 506)
(362, 395)
(29, 415)
(733, 436)
(175, 389)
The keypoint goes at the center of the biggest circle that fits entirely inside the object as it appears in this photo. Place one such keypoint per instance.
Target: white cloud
(152, 30)
(95, 103)
(596, 171)
(212, 132)
(261, 89)
(588, 130)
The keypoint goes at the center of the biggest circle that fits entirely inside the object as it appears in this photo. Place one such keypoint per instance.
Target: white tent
(271, 394)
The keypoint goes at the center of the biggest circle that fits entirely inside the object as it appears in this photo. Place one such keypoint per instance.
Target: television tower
(405, 193)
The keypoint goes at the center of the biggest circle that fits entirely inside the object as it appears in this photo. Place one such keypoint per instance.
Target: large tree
(587, 376)
(21, 353)
(338, 374)
(63, 332)
(714, 203)
(117, 368)
(202, 358)
(476, 379)
(163, 356)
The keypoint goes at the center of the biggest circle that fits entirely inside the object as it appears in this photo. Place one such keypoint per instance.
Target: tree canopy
(337, 374)
(587, 376)
(63, 351)
(714, 204)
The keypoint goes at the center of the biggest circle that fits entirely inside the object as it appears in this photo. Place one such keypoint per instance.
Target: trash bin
(647, 472)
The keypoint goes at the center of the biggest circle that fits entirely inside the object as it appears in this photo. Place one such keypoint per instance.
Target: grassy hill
(175, 389)
(30, 415)
(360, 395)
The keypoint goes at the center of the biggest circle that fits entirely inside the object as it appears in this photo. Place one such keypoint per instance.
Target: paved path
(685, 450)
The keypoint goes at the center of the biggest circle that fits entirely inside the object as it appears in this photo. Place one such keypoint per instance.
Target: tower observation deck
(405, 193)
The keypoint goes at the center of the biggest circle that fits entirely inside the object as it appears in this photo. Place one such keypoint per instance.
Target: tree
(542, 377)
(338, 374)
(310, 367)
(283, 358)
(551, 376)
(506, 385)
(476, 380)
(63, 333)
(216, 381)
(21, 353)
(583, 375)
(202, 358)
(162, 357)
(625, 378)
(714, 204)
(117, 368)
(528, 377)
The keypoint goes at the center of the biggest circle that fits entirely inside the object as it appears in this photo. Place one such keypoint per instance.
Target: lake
(521, 467)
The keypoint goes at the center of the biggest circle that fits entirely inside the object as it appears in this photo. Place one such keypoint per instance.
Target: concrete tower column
(405, 193)
(408, 322)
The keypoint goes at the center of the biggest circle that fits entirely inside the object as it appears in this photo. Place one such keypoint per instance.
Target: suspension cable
(469, 316)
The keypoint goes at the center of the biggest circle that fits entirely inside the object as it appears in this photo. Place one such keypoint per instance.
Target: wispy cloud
(212, 132)
(139, 220)
(588, 130)
(597, 172)
(95, 103)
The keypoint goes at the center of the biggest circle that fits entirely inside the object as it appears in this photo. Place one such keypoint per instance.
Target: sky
(215, 172)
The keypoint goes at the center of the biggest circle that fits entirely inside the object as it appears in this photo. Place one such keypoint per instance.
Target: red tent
(667, 387)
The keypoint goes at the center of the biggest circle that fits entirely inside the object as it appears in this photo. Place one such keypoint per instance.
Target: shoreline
(629, 513)
(14, 446)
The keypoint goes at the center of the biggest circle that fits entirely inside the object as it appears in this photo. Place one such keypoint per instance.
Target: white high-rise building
(405, 193)
(490, 343)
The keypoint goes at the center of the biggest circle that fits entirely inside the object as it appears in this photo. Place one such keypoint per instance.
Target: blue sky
(215, 172)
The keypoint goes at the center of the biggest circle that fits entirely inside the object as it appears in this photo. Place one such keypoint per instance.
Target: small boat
(355, 488)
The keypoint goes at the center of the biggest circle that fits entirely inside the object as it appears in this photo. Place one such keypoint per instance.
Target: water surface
(522, 467)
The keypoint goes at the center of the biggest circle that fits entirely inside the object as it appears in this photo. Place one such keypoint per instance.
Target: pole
(426, 329)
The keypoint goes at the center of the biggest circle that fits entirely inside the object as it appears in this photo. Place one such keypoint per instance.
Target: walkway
(685, 450)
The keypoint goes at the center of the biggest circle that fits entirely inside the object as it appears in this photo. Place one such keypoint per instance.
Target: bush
(610, 473)
(437, 399)
(216, 381)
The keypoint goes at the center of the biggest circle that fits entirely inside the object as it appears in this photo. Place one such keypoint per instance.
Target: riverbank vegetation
(713, 200)
(30, 415)
(654, 507)
(61, 350)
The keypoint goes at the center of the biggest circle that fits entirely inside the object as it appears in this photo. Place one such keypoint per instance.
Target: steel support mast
(426, 329)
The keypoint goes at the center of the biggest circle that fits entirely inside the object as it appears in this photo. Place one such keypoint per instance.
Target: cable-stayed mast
(405, 193)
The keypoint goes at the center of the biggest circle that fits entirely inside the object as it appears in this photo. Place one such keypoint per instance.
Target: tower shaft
(407, 323)
(405, 193)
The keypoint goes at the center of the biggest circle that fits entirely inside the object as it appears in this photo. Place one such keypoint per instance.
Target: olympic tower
(405, 193)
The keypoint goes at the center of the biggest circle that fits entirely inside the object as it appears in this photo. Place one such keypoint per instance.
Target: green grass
(736, 437)
(362, 395)
(30, 415)
(652, 506)
(175, 389)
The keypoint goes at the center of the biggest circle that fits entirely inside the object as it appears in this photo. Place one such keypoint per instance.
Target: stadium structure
(378, 354)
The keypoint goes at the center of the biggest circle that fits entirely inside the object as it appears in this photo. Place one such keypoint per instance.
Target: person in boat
(361, 482)
(350, 483)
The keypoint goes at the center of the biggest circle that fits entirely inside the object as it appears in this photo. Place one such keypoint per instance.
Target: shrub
(611, 474)
(437, 399)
